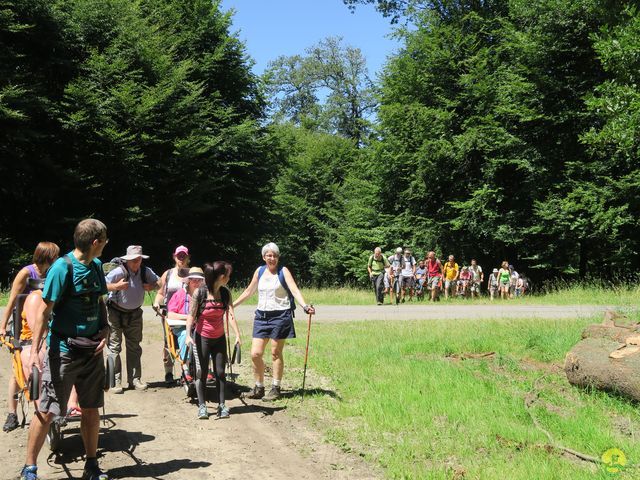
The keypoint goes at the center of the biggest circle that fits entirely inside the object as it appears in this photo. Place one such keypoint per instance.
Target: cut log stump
(607, 358)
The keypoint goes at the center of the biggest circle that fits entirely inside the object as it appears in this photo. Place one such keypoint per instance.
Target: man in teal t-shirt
(77, 332)
(77, 310)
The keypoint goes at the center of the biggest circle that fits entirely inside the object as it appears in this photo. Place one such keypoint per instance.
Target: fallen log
(607, 358)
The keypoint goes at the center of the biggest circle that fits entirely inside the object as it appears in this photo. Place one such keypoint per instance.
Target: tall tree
(328, 88)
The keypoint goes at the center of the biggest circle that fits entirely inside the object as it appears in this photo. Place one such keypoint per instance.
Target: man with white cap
(127, 285)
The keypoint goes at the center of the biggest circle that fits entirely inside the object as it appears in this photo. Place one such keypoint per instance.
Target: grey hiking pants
(378, 287)
(129, 324)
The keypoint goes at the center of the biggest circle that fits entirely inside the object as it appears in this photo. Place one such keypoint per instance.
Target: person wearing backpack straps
(74, 303)
(170, 283)
(376, 268)
(277, 292)
(209, 305)
(127, 286)
(407, 274)
(43, 257)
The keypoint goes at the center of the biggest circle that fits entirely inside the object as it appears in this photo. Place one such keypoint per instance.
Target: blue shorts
(276, 325)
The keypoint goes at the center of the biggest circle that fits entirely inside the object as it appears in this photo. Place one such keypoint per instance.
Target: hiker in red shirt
(434, 275)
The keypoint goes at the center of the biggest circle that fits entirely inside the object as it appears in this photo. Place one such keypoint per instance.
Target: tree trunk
(607, 358)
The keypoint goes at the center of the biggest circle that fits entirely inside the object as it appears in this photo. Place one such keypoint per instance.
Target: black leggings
(215, 348)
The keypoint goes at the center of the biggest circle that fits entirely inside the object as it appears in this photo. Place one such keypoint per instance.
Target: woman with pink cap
(170, 283)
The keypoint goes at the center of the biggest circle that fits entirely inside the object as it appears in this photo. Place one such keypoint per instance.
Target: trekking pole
(229, 347)
(306, 356)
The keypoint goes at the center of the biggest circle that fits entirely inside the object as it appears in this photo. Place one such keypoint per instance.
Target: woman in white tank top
(166, 289)
(273, 319)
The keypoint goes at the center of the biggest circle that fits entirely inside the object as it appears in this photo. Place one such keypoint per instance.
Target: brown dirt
(155, 434)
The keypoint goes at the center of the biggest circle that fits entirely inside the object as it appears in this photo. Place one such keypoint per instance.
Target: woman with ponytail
(208, 308)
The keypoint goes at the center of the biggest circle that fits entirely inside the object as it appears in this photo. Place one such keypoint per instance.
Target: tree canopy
(501, 129)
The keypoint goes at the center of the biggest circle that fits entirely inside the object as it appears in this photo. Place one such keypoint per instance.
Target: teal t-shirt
(76, 312)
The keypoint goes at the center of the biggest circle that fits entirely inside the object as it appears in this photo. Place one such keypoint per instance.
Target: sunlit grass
(558, 294)
(408, 405)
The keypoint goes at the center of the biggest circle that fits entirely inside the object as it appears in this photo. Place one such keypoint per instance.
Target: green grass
(563, 295)
(409, 407)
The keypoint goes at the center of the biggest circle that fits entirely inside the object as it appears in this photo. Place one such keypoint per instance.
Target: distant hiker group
(76, 310)
(400, 277)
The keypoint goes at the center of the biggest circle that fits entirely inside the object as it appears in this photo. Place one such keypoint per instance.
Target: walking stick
(306, 357)
(229, 347)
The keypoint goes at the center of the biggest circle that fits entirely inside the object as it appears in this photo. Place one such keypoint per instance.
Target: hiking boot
(11, 423)
(255, 393)
(93, 472)
(117, 388)
(139, 385)
(29, 473)
(202, 412)
(274, 394)
(168, 378)
(223, 411)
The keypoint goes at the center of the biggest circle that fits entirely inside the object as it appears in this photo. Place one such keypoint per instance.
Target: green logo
(614, 460)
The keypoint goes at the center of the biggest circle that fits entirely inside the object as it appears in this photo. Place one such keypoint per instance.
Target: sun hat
(133, 252)
(495, 270)
(181, 249)
(196, 272)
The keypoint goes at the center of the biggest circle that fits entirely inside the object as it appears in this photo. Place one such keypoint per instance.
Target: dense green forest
(502, 129)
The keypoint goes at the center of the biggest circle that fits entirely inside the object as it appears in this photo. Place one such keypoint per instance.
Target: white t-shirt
(407, 271)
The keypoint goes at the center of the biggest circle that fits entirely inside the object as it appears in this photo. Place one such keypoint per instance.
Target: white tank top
(175, 283)
(272, 295)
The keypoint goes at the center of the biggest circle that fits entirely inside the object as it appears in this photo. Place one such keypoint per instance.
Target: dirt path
(155, 434)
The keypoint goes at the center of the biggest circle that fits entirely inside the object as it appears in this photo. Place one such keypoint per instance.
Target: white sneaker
(117, 388)
(139, 384)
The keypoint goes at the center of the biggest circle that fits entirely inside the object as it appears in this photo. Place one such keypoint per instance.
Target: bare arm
(193, 311)
(159, 300)
(121, 284)
(234, 323)
(17, 287)
(295, 291)
(250, 290)
(177, 316)
(39, 329)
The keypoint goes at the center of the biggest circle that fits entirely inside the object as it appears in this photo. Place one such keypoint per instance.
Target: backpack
(283, 282)
(412, 261)
(68, 287)
(117, 262)
(201, 297)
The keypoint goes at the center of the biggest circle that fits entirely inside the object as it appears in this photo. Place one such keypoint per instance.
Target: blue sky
(270, 28)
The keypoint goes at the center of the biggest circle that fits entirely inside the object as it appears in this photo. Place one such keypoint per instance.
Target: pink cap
(181, 249)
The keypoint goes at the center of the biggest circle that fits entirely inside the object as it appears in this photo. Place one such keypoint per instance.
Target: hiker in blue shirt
(127, 285)
(78, 328)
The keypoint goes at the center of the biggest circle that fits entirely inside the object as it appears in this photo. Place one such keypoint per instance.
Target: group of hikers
(75, 311)
(400, 277)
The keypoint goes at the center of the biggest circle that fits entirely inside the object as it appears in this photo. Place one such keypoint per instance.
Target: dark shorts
(276, 325)
(61, 371)
(406, 282)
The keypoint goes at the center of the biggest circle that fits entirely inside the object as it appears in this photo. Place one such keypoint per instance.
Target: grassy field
(402, 395)
(564, 295)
